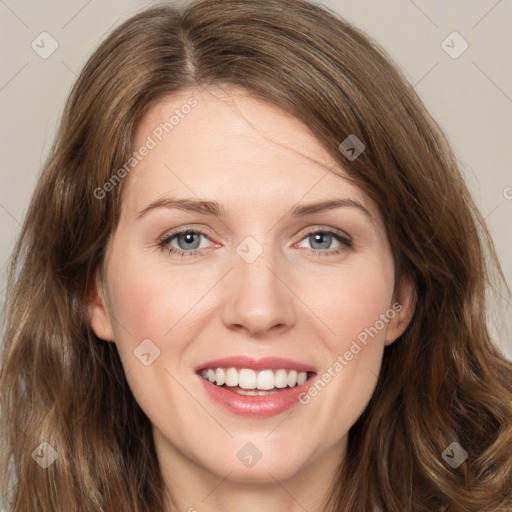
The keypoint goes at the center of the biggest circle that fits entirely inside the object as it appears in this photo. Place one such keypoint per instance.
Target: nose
(258, 297)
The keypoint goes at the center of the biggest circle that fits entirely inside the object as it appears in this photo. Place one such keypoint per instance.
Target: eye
(323, 240)
(188, 242)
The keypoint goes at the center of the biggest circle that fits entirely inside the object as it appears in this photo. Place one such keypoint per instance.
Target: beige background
(470, 96)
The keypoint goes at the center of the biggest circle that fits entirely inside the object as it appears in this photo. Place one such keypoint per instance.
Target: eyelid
(187, 229)
(318, 228)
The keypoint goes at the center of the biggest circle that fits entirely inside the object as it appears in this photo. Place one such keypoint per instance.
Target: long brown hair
(443, 381)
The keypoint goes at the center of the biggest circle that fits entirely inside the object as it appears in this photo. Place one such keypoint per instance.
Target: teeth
(231, 377)
(281, 379)
(301, 378)
(247, 379)
(253, 392)
(292, 378)
(265, 380)
(220, 376)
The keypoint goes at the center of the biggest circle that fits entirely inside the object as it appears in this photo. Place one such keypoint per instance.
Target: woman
(175, 338)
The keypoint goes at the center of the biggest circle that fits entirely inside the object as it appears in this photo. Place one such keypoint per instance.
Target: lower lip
(260, 406)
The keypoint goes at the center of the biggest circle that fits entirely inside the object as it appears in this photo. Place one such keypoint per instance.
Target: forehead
(226, 145)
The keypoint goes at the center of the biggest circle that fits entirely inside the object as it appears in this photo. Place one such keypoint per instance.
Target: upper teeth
(251, 379)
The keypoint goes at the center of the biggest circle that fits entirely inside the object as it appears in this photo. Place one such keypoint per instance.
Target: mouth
(249, 382)
(255, 388)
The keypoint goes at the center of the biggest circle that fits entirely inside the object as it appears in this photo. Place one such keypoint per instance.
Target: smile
(246, 381)
(255, 388)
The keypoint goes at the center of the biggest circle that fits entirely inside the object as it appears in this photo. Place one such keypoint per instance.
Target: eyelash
(346, 242)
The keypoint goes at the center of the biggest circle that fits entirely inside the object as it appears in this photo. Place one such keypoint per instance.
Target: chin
(279, 466)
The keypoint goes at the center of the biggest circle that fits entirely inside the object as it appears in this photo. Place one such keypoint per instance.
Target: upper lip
(265, 363)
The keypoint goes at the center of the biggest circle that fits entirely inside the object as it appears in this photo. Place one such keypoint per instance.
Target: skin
(258, 163)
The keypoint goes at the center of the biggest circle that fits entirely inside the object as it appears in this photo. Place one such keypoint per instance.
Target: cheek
(145, 306)
(149, 300)
(357, 310)
(355, 301)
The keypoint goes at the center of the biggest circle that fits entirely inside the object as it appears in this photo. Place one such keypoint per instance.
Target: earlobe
(404, 306)
(97, 310)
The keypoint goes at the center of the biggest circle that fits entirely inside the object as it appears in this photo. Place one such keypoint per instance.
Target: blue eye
(188, 242)
(323, 240)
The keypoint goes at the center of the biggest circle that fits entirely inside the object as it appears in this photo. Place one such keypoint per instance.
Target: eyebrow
(215, 209)
(309, 209)
(189, 205)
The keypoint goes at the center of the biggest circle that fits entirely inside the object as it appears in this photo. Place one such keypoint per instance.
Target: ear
(404, 305)
(99, 317)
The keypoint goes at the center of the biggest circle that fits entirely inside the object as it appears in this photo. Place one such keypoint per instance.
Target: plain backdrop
(464, 79)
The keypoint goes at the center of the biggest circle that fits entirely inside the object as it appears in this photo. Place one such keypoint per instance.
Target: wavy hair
(443, 381)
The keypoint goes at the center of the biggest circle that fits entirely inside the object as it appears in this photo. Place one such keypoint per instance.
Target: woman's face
(252, 283)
